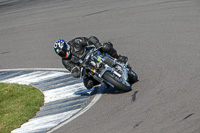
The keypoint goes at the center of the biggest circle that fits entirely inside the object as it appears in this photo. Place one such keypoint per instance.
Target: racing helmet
(62, 48)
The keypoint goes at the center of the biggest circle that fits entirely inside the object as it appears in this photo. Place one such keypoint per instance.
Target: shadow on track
(103, 89)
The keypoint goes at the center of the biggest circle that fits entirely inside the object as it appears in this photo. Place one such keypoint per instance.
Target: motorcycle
(106, 69)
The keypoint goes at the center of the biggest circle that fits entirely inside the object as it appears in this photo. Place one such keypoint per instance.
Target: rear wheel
(114, 80)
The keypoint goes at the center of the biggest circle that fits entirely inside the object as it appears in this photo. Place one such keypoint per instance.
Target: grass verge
(18, 103)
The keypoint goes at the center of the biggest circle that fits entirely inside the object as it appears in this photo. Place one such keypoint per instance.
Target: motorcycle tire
(133, 77)
(109, 77)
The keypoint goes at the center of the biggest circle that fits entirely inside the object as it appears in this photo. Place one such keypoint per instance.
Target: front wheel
(115, 81)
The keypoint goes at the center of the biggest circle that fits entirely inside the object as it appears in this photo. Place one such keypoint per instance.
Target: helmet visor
(62, 53)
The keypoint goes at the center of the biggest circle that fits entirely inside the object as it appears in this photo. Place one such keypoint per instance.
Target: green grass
(18, 103)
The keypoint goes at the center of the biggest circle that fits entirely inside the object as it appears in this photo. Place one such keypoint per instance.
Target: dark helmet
(62, 48)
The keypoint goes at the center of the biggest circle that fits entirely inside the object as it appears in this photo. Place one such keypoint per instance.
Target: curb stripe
(64, 96)
(14, 74)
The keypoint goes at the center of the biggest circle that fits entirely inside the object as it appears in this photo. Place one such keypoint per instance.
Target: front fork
(108, 68)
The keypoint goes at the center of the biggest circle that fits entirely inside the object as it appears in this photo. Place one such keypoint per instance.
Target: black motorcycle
(106, 69)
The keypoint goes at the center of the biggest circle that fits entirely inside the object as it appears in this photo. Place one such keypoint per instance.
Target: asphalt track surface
(160, 37)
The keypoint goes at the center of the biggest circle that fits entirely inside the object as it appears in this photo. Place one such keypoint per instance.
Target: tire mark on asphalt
(5, 52)
(136, 125)
(134, 96)
(188, 116)
(95, 13)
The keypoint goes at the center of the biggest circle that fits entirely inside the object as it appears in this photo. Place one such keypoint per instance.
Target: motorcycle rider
(71, 52)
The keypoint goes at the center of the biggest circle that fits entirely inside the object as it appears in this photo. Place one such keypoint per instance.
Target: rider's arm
(72, 67)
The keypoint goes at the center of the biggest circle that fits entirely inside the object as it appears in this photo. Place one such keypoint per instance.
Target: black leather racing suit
(79, 51)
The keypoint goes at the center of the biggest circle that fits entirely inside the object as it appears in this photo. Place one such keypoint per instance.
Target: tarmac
(160, 38)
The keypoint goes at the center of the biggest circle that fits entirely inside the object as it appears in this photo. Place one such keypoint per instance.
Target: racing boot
(122, 59)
